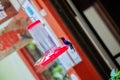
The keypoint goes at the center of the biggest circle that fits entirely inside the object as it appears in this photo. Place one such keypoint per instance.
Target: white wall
(13, 68)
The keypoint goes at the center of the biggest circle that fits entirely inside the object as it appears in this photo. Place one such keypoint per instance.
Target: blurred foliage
(115, 75)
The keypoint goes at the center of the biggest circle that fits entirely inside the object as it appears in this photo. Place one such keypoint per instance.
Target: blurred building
(92, 26)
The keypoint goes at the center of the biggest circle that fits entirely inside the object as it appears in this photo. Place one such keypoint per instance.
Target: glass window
(33, 51)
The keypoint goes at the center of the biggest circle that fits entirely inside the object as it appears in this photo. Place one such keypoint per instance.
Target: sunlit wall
(13, 68)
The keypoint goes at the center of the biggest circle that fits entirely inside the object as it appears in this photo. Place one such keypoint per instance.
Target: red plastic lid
(52, 56)
(33, 24)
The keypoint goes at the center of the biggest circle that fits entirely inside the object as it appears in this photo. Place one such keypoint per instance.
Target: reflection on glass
(34, 52)
(55, 72)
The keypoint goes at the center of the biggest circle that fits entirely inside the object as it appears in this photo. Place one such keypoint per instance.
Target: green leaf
(31, 46)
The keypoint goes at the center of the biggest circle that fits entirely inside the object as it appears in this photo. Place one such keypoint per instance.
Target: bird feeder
(45, 43)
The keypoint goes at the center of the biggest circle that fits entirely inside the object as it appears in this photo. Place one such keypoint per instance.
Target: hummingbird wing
(71, 45)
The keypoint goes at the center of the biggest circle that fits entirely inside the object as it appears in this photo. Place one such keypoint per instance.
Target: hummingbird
(66, 42)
